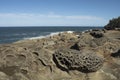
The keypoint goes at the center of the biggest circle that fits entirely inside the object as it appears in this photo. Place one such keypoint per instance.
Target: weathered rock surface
(84, 61)
(93, 55)
(97, 34)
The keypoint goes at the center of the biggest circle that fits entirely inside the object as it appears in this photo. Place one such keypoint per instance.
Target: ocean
(12, 34)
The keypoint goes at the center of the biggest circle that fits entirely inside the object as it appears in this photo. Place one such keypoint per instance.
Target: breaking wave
(44, 36)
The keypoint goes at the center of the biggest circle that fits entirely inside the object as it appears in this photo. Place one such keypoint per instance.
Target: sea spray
(49, 35)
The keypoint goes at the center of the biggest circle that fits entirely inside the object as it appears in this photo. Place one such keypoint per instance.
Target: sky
(58, 12)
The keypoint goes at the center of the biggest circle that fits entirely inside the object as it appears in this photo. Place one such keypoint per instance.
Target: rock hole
(116, 54)
(10, 57)
(25, 48)
(10, 60)
(36, 53)
(56, 55)
(24, 71)
(22, 57)
(75, 46)
(62, 62)
(60, 58)
(86, 58)
(60, 54)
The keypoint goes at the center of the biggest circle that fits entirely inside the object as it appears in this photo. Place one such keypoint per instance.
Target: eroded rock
(48, 58)
(116, 54)
(96, 34)
(75, 60)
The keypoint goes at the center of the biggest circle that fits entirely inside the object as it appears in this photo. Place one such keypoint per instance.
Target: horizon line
(51, 26)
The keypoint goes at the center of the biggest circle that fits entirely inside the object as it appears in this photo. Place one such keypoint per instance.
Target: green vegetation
(113, 24)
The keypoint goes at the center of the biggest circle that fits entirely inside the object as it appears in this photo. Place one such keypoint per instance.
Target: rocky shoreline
(88, 55)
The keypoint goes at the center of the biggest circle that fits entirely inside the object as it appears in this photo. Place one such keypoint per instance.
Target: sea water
(12, 34)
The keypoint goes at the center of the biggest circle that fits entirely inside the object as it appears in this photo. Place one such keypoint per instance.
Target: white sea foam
(51, 34)
(54, 33)
(70, 31)
(83, 32)
(40, 37)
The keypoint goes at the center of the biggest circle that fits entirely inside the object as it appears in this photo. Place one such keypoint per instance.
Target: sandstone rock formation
(93, 55)
(84, 61)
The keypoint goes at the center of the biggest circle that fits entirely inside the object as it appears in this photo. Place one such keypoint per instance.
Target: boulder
(96, 34)
(68, 59)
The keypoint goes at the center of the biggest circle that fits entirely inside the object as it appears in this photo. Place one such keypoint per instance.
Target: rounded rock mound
(68, 59)
(96, 34)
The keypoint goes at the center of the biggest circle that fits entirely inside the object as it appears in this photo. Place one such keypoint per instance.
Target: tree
(113, 24)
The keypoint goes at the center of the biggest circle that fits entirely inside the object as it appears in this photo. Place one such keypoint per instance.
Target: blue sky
(58, 12)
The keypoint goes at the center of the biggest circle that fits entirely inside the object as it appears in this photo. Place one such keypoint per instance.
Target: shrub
(113, 24)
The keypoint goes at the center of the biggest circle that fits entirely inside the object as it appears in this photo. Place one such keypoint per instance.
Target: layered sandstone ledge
(89, 55)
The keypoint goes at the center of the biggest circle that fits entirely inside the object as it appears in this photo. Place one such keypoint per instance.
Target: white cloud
(49, 16)
(23, 19)
(84, 17)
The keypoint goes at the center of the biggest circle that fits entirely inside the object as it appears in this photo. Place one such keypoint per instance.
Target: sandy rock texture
(90, 55)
